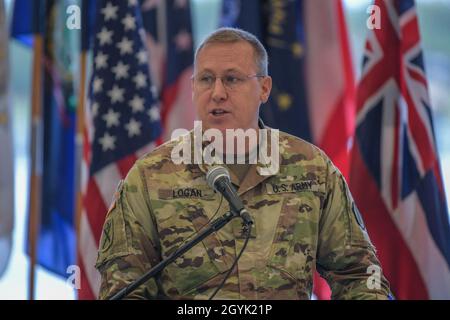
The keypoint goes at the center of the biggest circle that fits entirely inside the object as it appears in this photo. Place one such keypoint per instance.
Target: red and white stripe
(98, 192)
(330, 80)
(331, 89)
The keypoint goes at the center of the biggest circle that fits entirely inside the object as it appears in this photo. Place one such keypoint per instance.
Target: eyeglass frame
(227, 86)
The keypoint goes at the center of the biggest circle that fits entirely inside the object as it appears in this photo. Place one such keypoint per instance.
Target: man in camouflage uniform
(304, 216)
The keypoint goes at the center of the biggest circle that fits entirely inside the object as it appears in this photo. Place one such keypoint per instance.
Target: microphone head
(215, 173)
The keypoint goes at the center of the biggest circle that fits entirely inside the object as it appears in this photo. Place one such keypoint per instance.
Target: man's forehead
(235, 56)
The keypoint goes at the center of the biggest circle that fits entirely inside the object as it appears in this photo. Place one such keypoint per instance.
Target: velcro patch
(185, 193)
(292, 187)
(107, 235)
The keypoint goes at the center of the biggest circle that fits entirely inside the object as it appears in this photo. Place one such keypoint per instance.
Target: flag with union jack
(122, 122)
(395, 173)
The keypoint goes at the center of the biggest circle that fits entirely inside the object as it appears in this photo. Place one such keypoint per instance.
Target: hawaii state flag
(395, 175)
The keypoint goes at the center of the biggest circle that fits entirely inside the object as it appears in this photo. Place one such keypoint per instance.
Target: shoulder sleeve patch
(107, 235)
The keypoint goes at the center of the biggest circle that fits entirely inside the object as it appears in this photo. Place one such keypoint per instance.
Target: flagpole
(81, 124)
(36, 161)
(162, 38)
(161, 16)
(79, 144)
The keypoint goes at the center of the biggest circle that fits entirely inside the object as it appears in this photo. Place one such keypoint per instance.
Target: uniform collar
(253, 176)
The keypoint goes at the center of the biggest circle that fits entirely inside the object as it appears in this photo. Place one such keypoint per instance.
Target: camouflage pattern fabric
(305, 218)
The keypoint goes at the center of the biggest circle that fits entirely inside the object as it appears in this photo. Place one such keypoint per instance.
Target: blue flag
(22, 21)
(56, 245)
(284, 41)
(56, 238)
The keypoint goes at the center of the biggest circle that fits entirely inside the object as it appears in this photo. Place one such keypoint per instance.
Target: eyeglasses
(230, 81)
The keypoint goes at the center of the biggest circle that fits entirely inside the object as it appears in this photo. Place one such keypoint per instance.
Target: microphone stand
(215, 225)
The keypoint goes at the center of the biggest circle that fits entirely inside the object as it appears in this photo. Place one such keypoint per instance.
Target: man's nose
(219, 91)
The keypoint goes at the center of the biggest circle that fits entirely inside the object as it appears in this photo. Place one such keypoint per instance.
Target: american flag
(122, 122)
(395, 173)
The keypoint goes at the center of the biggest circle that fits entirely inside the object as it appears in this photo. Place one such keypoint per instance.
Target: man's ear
(266, 86)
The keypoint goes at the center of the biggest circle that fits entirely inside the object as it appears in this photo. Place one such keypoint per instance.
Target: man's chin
(223, 126)
(219, 124)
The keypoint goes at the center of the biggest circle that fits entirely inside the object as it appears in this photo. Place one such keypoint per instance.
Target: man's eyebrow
(233, 70)
(206, 70)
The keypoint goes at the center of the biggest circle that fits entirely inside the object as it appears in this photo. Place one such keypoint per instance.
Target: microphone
(218, 178)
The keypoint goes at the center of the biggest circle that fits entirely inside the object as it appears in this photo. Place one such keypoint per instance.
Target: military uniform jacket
(305, 220)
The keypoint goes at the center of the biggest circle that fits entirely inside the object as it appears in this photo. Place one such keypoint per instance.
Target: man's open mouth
(218, 112)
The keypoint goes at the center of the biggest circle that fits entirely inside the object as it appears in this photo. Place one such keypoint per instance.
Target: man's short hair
(232, 35)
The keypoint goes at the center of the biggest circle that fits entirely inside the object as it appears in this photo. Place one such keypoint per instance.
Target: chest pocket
(294, 244)
(181, 213)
